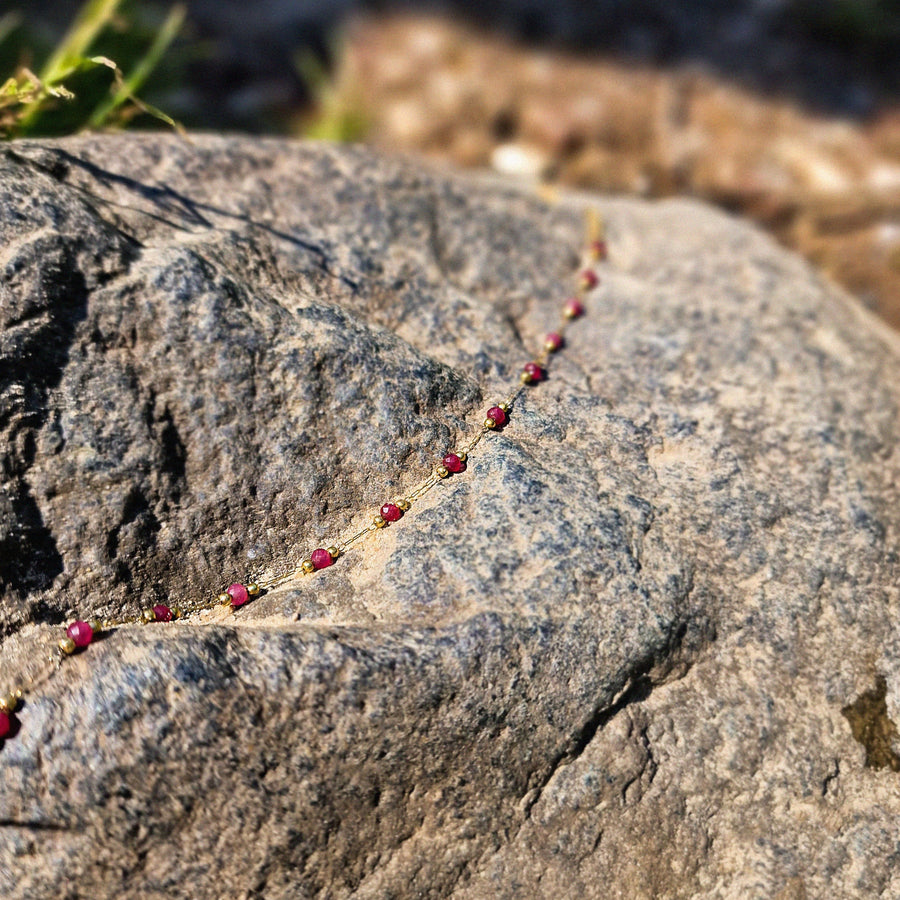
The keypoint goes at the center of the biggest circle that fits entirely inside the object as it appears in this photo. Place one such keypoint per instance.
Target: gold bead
(441, 471)
(67, 645)
(253, 589)
(13, 700)
(96, 625)
(403, 504)
(148, 616)
(177, 612)
(224, 598)
(378, 521)
(525, 378)
(490, 423)
(307, 566)
(334, 552)
(503, 405)
(463, 456)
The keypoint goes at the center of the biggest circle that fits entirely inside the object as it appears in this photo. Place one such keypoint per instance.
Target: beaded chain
(80, 633)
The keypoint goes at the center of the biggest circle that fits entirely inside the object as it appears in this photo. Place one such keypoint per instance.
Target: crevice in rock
(671, 663)
(33, 825)
(638, 689)
(29, 558)
(831, 777)
(174, 452)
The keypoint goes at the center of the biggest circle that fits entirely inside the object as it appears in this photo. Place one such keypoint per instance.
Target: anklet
(79, 634)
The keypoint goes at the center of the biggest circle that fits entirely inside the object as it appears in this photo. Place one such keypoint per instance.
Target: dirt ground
(828, 187)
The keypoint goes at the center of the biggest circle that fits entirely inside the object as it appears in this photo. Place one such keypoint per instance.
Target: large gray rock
(624, 655)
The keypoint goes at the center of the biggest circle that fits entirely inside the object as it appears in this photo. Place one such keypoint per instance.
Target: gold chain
(79, 633)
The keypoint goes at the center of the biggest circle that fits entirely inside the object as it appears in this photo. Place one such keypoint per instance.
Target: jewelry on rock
(80, 633)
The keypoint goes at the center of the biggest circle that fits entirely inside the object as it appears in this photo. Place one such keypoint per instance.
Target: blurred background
(784, 111)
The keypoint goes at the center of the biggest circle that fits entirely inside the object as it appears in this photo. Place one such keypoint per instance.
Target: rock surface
(646, 646)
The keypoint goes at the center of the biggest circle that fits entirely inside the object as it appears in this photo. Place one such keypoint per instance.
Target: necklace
(80, 633)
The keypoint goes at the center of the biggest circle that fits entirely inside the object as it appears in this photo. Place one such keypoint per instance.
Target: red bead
(390, 512)
(81, 633)
(321, 559)
(588, 279)
(496, 415)
(553, 341)
(164, 614)
(5, 724)
(452, 463)
(598, 249)
(533, 371)
(238, 594)
(573, 308)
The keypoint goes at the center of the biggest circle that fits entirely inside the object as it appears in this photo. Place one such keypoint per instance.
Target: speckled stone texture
(645, 646)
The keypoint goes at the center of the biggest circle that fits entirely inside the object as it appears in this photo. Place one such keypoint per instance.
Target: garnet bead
(321, 558)
(598, 249)
(162, 613)
(553, 341)
(452, 463)
(81, 633)
(532, 372)
(5, 724)
(238, 594)
(390, 512)
(588, 279)
(573, 308)
(496, 415)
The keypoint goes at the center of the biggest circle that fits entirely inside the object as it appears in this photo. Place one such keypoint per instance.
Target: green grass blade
(130, 85)
(69, 53)
(92, 18)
